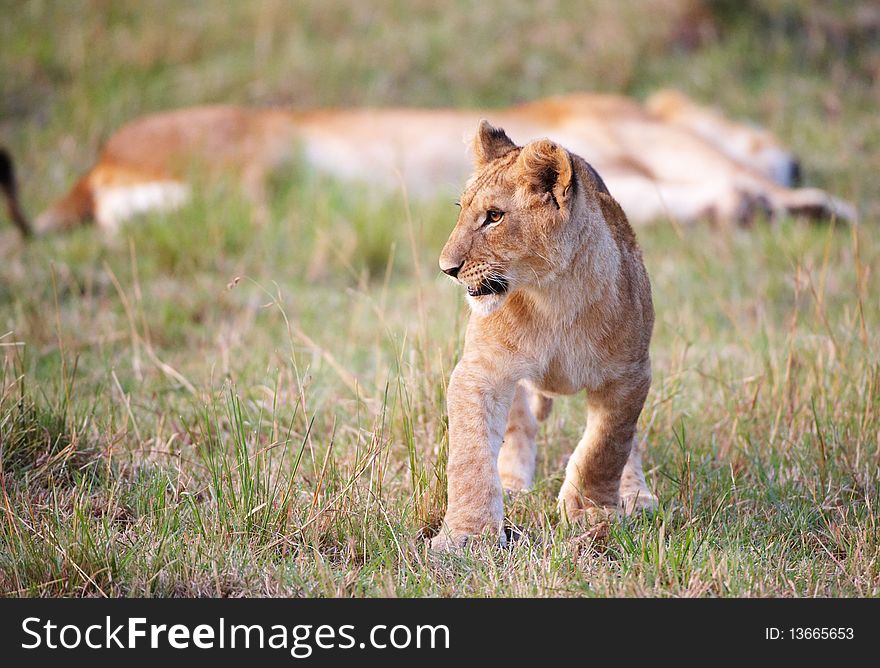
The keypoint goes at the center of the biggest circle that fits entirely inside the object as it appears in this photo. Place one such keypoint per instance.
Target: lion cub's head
(513, 229)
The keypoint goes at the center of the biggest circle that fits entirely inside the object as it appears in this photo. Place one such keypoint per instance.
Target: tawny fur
(664, 160)
(576, 315)
(747, 144)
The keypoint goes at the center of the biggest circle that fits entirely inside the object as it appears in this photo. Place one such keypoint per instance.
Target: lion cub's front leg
(478, 405)
(593, 475)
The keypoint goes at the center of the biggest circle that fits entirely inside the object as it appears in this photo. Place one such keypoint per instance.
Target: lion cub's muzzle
(480, 278)
(489, 286)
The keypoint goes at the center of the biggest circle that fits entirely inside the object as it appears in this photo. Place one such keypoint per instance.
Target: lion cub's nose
(451, 270)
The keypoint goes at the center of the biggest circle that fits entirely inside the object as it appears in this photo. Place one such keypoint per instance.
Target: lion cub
(560, 302)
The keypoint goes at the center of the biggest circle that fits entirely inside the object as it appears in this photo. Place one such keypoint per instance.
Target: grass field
(202, 406)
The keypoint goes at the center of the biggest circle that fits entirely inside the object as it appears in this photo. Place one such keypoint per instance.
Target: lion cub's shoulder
(617, 222)
(613, 214)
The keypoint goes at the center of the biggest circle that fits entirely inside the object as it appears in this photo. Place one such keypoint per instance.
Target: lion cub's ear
(490, 143)
(547, 168)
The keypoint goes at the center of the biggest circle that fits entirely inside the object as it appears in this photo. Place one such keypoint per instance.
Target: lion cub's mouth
(490, 286)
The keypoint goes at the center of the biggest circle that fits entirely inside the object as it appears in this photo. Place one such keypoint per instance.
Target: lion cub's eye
(493, 216)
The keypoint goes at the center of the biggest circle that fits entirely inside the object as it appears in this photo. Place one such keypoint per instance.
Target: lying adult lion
(560, 302)
(669, 158)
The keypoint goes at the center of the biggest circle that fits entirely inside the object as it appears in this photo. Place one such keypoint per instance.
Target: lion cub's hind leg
(516, 461)
(634, 493)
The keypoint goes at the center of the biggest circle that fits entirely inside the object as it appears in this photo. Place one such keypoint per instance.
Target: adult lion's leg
(478, 404)
(634, 492)
(813, 203)
(594, 471)
(516, 462)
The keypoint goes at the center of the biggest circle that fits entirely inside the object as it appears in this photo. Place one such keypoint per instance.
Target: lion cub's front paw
(573, 507)
(597, 533)
(449, 540)
(446, 542)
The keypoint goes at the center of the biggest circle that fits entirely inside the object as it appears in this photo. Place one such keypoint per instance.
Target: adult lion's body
(664, 159)
(561, 302)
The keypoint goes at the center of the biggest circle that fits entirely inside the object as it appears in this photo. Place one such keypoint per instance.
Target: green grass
(203, 406)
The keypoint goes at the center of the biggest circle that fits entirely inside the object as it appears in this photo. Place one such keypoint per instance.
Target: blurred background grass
(201, 406)
(74, 71)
